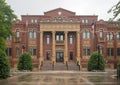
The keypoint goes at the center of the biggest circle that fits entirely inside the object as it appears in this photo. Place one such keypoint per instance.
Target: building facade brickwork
(62, 36)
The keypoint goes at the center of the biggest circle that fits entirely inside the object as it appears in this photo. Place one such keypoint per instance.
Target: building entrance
(59, 56)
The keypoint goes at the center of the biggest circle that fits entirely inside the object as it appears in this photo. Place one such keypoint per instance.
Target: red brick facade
(62, 16)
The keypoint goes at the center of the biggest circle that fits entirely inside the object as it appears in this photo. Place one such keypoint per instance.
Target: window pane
(108, 51)
(101, 33)
(17, 33)
(35, 34)
(71, 39)
(57, 37)
(118, 51)
(88, 51)
(30, 34)
(34, 52)
(107, 36)
(84, 35)
(112, 51)
(61, 37)
(84, 51)
(88, 34)
(17, 51)
(48, 39)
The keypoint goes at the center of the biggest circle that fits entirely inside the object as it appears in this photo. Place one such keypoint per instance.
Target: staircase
(47, 65)
(73, 66)
(59, 66)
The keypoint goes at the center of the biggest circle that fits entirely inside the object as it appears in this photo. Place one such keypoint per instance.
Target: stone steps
(47, 65)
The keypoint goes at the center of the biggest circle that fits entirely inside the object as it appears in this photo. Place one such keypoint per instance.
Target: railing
(67, 65)
(78, 65)
(53, 65)
(118, 72)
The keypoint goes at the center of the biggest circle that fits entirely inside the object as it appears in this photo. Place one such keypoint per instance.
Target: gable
(59, 12)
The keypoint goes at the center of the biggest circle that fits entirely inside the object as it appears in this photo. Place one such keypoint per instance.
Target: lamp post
(23, 47)
(98, 55)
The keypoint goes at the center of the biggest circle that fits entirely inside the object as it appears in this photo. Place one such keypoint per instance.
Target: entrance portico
(60, 38)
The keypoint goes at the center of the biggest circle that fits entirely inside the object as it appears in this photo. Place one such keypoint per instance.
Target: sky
(80, 7)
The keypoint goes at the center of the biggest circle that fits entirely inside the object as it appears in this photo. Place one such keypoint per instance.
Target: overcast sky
(81, 7)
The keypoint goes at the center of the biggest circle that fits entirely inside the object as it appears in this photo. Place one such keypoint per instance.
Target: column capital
(65, 32)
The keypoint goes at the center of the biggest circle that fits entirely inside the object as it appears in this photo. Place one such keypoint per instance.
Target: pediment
(59, 12)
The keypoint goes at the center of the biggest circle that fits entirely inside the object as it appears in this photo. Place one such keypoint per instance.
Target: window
(35, 20)
(110, 52)
(17, 33)
(48, 39)
(86, 21)
(118, 51)
(101, 33)
(17, 51)
(71, 55)
(110, 36)
(71, 39)
(33, 51)
(9, 51)
(86, 51)
(32, 20)
(118, 36)
(59, 37)
(9, 38)
(30, 34)
(35, 34)
(48, 55)
(86, 34)
(83, 21)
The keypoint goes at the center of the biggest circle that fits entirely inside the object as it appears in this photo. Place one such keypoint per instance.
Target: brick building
(62, 36)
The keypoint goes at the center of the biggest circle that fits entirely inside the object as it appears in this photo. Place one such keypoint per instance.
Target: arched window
(48, 39)
(71, 39)
(17, 33)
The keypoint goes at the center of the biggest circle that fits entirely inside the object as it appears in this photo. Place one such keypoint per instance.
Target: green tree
(4, 65)
(25, 62)
(6, 19)
(115, 9)
(93, 62)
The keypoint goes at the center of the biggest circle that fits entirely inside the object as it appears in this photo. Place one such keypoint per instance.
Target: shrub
(93, 62)
(4, 66)
(25, 62)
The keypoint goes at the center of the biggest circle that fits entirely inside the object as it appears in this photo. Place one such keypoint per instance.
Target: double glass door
(59, 56)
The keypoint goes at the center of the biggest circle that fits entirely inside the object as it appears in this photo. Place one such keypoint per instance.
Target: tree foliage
(93, 62)
(4, 66)
(115, 9)
(25, 62)
(6, 19)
